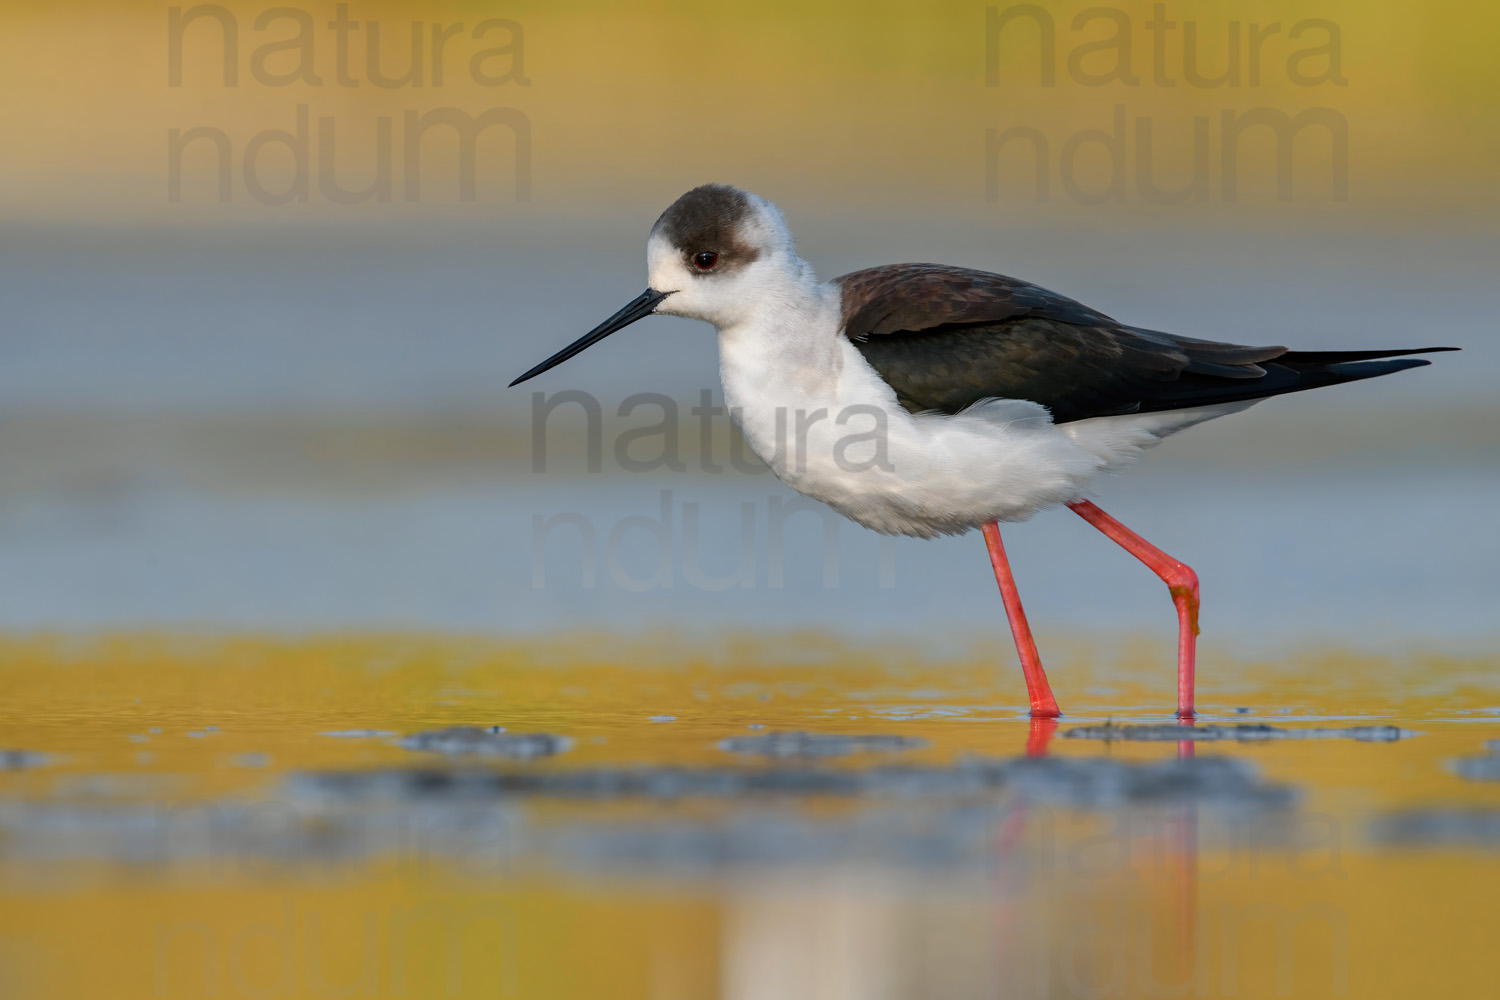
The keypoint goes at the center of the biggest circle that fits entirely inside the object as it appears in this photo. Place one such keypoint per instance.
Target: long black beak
(641, 306)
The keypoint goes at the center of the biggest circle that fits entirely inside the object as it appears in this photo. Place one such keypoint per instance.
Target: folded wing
(945, 338)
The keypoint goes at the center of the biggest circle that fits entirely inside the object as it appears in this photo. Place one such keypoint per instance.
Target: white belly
(841, 437)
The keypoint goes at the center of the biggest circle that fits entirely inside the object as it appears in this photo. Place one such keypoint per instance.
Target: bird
(929, 399)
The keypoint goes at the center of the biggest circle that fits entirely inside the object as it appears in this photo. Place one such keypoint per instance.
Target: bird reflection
(1046, 922)
(1018, 914)
(1039, 736)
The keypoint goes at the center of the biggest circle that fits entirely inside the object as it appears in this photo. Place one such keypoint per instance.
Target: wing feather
(945, 338)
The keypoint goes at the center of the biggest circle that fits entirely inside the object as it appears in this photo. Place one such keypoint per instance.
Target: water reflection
(475, 824)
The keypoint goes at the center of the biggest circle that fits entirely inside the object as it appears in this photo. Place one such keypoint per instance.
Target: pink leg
(1043, 705)
(1180, 580)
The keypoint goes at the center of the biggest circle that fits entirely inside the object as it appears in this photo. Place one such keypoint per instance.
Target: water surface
(200, 816)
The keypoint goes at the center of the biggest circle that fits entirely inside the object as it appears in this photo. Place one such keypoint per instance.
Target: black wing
(945, 338)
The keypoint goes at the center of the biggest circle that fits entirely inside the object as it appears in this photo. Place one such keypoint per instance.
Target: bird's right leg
(1043, 705)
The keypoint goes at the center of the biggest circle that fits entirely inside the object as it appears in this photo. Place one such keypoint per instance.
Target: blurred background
(271, 523)
(267, 271)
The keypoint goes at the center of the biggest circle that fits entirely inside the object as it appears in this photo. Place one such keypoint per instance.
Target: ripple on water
(803, 744)
(1244, 733)
(486, 741)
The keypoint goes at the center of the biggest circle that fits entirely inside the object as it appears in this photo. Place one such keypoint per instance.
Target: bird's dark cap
(710, 217)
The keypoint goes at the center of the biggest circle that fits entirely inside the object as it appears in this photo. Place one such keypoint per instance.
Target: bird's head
(716, 253)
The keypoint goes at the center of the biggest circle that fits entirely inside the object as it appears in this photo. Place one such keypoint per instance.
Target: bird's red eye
(705, 260)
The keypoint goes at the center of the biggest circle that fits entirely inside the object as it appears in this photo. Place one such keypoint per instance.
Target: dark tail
(1314, 369)
(1316, 358)
(1294, 371)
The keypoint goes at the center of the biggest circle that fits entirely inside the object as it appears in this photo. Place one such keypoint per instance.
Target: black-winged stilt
(921, 399)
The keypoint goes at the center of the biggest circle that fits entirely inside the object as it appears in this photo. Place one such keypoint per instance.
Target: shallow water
(799, 817)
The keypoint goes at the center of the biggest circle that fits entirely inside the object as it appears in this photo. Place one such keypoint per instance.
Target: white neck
(787, 336)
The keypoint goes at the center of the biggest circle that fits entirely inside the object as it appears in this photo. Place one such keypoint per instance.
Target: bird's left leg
(1180, 580)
